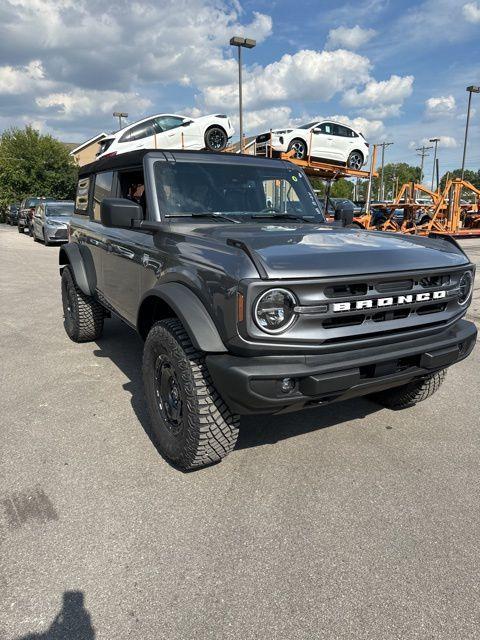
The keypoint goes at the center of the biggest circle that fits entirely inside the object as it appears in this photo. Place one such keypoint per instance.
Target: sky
(394, 69)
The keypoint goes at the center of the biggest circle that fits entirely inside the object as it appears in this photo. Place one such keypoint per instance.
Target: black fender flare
(191, 312)
(70, 254)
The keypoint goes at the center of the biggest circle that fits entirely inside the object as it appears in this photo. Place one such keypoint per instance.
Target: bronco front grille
(349, 309)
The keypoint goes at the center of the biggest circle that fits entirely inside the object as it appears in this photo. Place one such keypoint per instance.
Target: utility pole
(435, 141)
(423, 154)
(248, 43)
(381, 191)
(471, 89)
(120, 115)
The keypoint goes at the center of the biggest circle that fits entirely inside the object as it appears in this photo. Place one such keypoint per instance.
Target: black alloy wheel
(216, 139)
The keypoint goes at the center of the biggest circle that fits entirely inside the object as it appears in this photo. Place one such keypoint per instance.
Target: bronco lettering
(388, 302)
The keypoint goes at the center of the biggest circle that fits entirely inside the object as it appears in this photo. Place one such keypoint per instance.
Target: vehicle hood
(315, 251)
(61, 219)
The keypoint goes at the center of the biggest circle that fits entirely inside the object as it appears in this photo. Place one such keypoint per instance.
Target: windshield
(245, 191)
(104, 144)
(309, 125)
(60, 209)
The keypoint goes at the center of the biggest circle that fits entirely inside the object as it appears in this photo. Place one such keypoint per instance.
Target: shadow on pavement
(72, 621)
(124, 347)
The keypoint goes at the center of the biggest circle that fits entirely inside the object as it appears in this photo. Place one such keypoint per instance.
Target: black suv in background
(11, 214)
(248, 301)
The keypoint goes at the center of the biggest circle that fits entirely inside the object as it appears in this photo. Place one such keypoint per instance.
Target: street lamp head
(237, 41)
(434, 140)
(473, 89)
(120, 114)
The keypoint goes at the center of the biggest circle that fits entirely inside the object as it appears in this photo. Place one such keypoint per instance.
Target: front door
(323, 142)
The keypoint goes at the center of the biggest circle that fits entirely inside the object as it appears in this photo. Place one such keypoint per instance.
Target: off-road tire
(300, 146)
(410, 394)
(207, 430)
(83, 315)
(216, 139)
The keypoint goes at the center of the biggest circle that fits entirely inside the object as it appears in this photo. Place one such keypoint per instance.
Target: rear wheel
(355, 160)
(410, 394)
(216, 139)
(300, 148)
(20, 229)
(83, 315)
(191, 424)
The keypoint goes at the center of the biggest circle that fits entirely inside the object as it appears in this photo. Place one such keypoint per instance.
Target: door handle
(150, 263)
(122, 251)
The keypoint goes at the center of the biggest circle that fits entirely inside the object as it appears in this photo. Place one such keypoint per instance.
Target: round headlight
(274, 310)
(465, 287)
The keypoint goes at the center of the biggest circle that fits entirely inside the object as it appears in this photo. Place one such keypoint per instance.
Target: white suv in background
(169, 131)
(325, 140)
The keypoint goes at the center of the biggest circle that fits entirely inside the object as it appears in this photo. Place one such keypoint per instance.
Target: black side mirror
(119, 212)
(185, 123)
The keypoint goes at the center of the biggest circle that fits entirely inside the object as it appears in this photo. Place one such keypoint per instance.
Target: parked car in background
(11, 214)
(167, 131)
(26, 211)
(50, 221)
(325, 140)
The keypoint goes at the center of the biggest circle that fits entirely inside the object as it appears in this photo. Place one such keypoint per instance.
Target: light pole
(381, 191)
(471, 89)
(436, 141)
(248, 43)
(120, 115)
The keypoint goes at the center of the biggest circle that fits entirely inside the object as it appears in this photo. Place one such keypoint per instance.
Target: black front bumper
(253, 385)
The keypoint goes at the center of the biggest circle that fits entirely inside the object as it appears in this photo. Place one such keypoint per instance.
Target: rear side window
(81, 200)
(104, 188)
(345, 132)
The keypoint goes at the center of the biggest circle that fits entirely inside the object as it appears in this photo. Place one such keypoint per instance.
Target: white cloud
(437, 107)
(80, 103)
(380, 99)
(471, 12)
(306, 75)
(445, 142)
(349, 38)
(15, 80)
(373, 130)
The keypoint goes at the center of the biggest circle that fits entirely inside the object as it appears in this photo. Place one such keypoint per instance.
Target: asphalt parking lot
(347, 522)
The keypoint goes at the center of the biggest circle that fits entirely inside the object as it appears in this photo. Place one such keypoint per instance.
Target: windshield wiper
(213, 214)
(279, 216)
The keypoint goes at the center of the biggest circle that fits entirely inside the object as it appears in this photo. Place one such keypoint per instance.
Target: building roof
(87, 143)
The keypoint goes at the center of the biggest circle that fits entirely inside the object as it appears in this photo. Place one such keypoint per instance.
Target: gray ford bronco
(248, 302)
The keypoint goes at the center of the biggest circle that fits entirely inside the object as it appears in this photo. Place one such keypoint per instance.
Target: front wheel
(355, 160)
(410, 394)
(83, 315)
(191, 424)
(20, 229)
(216, 139)
(300, 148)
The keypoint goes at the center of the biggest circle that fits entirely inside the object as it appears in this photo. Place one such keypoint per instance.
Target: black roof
(135, 159)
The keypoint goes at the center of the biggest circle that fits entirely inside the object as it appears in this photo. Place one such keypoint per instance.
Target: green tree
(470, 176)
(342, 189)
(394, 173)
(32, 164)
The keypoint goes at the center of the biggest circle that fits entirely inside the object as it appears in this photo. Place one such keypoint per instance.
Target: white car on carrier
(324, 140)
(168, 131)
